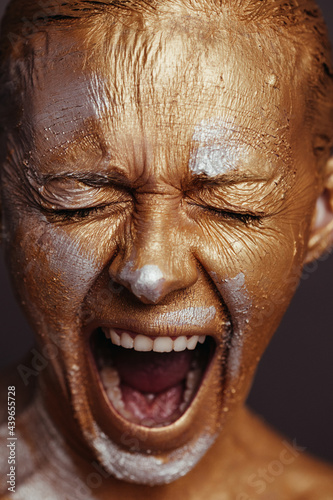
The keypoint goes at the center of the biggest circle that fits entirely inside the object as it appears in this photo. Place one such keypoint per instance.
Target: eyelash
(245, 218)
(78, 214)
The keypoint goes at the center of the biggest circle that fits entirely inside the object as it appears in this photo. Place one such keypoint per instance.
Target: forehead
(151, 98)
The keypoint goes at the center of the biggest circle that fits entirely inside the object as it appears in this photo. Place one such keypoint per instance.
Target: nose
(156, 259)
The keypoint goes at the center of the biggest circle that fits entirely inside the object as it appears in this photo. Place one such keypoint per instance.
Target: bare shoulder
(319, 478)
(284, 466)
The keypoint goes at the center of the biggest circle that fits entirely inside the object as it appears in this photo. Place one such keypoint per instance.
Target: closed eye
(81, 214)
(78, 213)
(244, 217)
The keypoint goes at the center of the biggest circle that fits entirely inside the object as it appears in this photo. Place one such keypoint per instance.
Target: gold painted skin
(125, 128)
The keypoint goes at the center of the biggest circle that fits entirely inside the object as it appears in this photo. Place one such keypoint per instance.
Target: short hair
(299, 22)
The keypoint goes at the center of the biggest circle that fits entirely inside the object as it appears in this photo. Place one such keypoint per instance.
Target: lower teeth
(111, 382)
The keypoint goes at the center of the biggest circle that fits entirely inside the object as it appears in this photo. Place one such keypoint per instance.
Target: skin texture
(153, 172)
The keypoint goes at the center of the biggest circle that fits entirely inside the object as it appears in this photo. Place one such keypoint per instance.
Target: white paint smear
(218, 152)
(144, 282)
(136, 467)
(191, 316)
(238, 302)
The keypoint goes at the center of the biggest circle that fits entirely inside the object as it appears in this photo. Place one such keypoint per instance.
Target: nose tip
(151, 283)
(147, 283)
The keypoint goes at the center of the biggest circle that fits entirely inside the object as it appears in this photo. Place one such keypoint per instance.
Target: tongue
(152, 409)
(152, 372)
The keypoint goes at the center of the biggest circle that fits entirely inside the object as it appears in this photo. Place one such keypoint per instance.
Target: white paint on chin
(144, 282)
(140, 468)
(217, 152)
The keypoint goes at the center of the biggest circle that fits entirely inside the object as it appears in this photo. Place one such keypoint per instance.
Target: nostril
(146, 282)
(115, 287)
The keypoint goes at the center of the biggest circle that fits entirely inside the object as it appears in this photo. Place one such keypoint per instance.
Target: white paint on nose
(218, 152)
(144, 282)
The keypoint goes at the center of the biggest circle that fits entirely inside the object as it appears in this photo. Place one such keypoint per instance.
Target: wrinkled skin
(109, 173)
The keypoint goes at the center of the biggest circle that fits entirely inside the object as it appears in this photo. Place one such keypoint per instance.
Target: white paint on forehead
(191, 316)
(100, 96)
(144, 282)
(217, 152)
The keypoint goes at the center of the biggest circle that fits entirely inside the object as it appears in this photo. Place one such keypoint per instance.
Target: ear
(321, 235)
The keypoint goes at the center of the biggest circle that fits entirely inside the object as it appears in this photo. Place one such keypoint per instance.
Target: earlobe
(321, 236)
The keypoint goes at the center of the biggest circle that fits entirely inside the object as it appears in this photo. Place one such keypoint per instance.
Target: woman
(166, 177)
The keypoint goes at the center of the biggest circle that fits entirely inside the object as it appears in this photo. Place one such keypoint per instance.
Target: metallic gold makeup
(161, 189)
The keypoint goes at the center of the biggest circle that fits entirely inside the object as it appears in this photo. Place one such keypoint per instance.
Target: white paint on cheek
(217, 152)
(70, 260)
(70, 257)
(238, 300)
(239, 304)
(191, 316)
(67, 261)
(144, 282)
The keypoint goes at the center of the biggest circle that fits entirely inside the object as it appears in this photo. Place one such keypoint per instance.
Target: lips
(150, 380)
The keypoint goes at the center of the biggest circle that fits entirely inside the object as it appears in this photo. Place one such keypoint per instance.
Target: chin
(145, 469)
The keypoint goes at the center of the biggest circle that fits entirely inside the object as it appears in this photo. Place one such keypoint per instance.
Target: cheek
(256, 273)
(52, 269)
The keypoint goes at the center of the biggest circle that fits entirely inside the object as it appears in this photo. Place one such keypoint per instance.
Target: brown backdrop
(293, 389)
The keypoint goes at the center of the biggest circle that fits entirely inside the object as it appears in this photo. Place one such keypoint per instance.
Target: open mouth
(151, 381)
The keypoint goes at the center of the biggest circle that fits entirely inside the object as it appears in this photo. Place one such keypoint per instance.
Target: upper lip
(156, 329)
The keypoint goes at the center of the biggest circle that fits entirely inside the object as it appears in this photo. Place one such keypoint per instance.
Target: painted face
(157, 203)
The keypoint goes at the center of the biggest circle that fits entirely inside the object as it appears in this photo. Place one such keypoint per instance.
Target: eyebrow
(89, 178)
(228, 178)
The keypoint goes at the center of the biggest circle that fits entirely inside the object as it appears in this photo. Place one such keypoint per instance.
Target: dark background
(293, 389)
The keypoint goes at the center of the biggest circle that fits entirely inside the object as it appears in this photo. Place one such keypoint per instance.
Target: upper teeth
(160, 344)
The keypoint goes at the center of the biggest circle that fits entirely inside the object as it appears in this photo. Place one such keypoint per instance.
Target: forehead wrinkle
(127, 55)
(141, 72)
(165, 111)
(139, 59)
